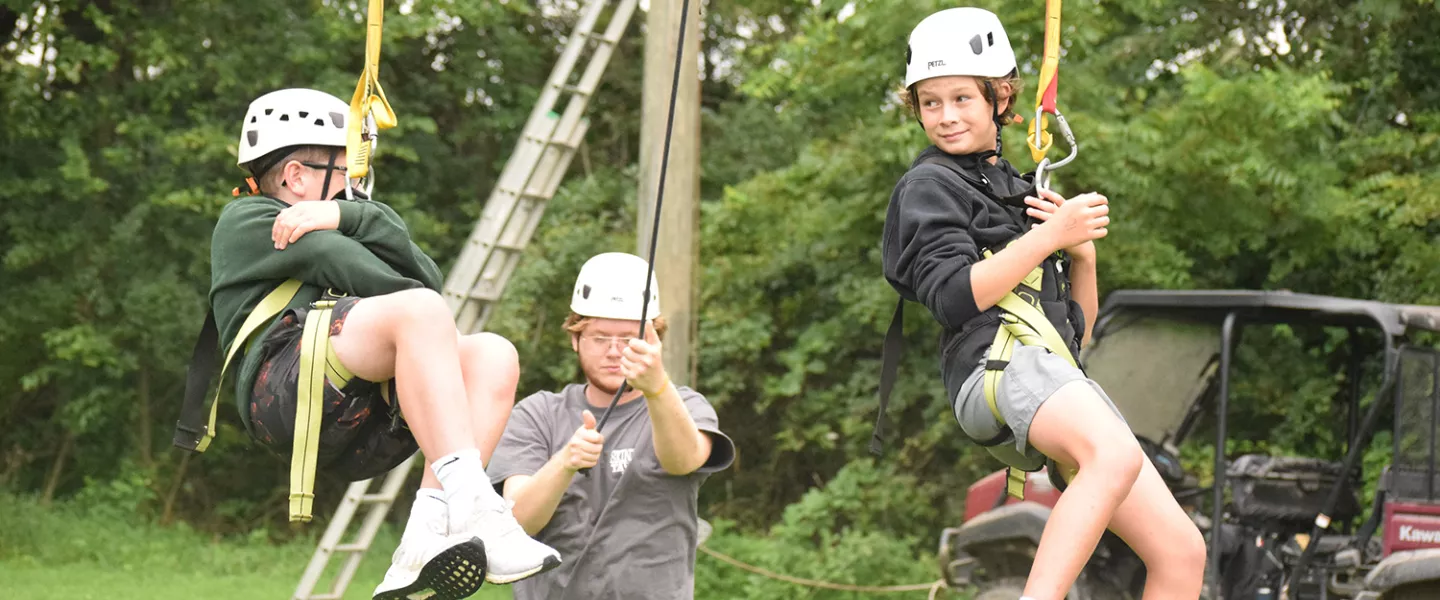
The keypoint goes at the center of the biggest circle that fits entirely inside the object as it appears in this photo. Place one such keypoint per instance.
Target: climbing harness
(659, 199)
(194, 432)
(370, 111)
(1021, 321)
(1040, 138)
(319, 367)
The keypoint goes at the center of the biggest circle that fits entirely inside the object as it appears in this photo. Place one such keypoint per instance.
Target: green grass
(99, 550)
(77, 554)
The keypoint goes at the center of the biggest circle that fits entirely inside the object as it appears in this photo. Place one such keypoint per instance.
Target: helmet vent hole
(268, 111)
(304, 114)
(319, 122)
(989, 37)
(254, 119)
(285, 117)
(338, 119)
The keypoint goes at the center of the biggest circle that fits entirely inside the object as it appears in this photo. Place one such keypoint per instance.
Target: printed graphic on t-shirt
(619, 459)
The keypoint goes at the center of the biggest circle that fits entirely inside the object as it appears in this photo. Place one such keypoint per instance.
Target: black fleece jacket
(935, 229)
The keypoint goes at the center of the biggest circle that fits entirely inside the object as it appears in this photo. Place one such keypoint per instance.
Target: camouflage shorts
(361, 435)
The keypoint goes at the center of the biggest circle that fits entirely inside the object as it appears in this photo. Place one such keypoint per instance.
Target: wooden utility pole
(676, 254)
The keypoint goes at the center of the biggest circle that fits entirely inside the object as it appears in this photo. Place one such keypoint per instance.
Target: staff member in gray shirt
(627, 528)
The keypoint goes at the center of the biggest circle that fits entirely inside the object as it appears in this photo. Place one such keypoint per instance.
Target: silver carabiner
(1045, 168)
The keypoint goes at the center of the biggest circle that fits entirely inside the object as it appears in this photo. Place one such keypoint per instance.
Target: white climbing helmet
(292, 117)
(612, 285)
(958, 41)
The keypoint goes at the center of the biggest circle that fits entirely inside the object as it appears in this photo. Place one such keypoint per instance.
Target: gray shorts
(1032, 376)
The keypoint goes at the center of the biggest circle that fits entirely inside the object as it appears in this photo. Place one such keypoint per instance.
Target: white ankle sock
(462, 475)
(459, 469)
(429, 505)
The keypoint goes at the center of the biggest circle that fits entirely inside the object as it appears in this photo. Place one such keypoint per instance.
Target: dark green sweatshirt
(369, 255)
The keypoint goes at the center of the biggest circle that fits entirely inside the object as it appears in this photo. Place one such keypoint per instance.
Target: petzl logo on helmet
(935, 63)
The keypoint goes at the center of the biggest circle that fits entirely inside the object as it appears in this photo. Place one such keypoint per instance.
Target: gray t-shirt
(628, 529)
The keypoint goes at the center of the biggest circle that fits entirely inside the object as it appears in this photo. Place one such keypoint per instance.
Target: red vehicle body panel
(982, 494)
(1410, 526)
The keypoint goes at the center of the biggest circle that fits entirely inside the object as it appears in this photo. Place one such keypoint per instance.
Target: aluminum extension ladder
(529, 180)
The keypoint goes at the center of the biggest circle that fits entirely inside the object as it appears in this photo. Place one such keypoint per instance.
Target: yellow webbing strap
(1015, 482)
(336, 372)
(1023, 322)
(1000, 351)
(264, 311)
(369, 99)
(1045, 92)
(1033, 329)
(315, 356)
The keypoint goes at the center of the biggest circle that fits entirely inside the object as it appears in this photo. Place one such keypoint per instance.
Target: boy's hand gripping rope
(1040, 138)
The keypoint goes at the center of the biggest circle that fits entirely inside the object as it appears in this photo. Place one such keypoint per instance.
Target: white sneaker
(428, 565)
(510, 554)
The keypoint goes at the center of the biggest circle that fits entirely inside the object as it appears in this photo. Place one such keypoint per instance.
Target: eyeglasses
(323, 166)
(605, 342)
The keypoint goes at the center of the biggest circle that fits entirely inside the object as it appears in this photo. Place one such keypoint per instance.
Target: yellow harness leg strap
(264, 311)
(315, 361)
(1023, 322)
(369, 98)
(1015, 482)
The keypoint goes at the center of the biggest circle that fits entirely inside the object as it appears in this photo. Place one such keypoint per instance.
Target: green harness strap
(1023, 322)
(317, 363)
(269, 306)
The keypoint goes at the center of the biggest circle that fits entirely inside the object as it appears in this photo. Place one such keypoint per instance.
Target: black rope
(659, 194)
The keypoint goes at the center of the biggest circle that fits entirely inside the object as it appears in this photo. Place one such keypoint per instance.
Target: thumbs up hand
(583, 449)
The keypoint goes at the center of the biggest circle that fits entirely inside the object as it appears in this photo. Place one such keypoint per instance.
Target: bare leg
(491, 368)
(1075, 427)
(1154, 525)
(410, 336)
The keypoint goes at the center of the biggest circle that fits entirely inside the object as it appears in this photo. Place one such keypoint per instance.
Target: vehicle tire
(1425, 590)
(1009, 588)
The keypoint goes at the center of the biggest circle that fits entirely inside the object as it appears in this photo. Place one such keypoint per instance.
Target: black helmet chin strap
(995, 116)
(329, 168)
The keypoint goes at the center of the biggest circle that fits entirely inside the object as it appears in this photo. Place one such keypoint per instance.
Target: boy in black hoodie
(957, 239)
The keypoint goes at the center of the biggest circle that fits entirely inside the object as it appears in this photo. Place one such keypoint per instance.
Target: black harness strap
(194, 413)
(893, 347)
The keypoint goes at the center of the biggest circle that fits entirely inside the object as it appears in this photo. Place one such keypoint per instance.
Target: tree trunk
(147, 457)
(14, 461)
(52, 481)
(169, 513)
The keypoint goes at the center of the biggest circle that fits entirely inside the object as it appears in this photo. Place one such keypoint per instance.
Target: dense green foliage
(1270, 145)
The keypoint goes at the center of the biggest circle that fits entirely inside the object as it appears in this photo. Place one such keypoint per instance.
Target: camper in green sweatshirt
(398, 376)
